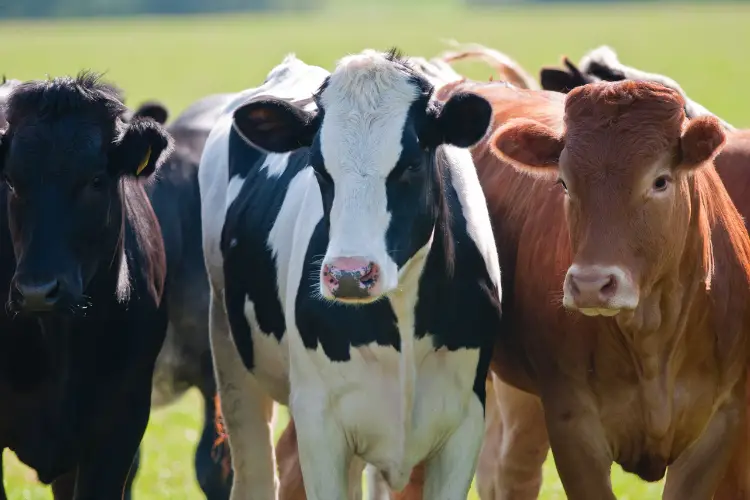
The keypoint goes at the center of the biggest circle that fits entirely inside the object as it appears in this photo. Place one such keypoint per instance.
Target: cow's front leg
(103, 473)
(324, 454)
(449, 472)
(696, 474)
(515, 444)
(579, 445)
(247, 413)
(64, 487)
(377, 488)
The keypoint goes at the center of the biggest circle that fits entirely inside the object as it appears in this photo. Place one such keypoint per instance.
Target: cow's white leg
(324, 453)
(247, 413)
(356, 467)
(449, 473)
(377, 488)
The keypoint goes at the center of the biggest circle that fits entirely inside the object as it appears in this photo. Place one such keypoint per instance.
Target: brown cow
(511, 460)
(655, 256)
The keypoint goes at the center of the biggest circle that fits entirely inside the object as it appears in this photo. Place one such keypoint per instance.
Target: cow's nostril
(350, 277)
(610, 286)
(370, 275)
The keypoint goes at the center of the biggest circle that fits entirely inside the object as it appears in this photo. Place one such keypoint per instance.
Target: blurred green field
(179, 60)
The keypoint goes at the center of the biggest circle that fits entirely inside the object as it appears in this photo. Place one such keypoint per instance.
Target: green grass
(180, 60)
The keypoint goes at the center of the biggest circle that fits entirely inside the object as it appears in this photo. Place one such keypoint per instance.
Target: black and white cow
(602, 63)
(350, 252)
(82, 257)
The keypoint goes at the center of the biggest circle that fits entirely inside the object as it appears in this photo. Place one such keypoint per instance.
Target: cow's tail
(508, 69)
(220, 452)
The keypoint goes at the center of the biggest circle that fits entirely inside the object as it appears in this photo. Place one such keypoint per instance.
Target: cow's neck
(677, 325)
(404, 301)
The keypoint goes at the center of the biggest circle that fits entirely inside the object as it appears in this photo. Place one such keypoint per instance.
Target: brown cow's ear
(701, 141)
(528, 145)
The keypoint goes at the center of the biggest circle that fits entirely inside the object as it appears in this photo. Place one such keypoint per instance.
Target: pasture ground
(179, 60)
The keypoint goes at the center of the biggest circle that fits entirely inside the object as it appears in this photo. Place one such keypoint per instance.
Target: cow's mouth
(599, 311)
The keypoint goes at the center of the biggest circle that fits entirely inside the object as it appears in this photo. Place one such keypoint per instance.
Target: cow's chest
(395, 408)
(649, 422)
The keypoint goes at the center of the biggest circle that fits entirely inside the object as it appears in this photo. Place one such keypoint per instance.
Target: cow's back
(733, 166)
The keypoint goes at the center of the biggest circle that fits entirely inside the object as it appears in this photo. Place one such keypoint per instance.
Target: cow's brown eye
(661, 183)
(562, 183)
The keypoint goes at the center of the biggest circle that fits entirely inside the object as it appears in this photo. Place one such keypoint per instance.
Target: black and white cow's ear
(462, 121)
(563, 80)
(276, 125)
(143, 148)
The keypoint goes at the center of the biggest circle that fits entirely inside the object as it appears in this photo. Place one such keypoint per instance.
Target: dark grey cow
(185, 358)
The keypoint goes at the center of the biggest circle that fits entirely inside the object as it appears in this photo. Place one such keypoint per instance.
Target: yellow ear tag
(144, 162)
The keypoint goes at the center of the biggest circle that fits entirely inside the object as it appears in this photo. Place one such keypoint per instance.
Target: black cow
(83, 259)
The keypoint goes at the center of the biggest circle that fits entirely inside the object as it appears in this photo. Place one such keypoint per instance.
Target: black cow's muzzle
(34, 296)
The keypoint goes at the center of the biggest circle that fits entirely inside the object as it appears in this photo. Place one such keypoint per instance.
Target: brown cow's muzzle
(599, 290)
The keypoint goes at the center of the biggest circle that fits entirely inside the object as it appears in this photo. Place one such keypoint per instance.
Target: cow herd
(439, 277)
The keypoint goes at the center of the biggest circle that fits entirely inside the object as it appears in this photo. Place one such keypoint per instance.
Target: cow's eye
(562, 183)
(661, 183)
(97, 182)
(411, 171)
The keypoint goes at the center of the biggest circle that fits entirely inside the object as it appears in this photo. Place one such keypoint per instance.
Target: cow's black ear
(154, 110)
(560, 80)
(557, 80)
(276, 125)
(462, 121)
(144, 146)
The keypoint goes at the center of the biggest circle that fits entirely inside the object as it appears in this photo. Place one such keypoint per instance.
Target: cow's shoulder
(255, 231)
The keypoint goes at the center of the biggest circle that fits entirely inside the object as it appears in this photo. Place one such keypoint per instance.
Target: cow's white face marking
(366, 103)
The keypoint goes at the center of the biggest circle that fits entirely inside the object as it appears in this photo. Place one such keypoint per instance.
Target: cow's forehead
(366, 104)
(56, 146)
